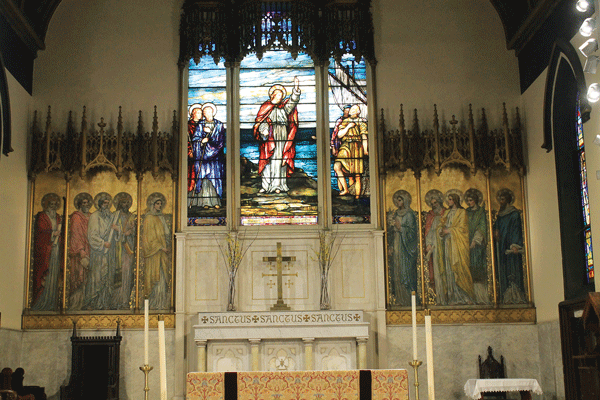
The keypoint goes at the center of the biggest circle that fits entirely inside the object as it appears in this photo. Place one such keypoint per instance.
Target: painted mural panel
(89, 261)
(449, 263)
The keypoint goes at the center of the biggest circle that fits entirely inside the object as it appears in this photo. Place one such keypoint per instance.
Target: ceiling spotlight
(587, 27)
(584, 5)
(590, 46)
(593, 94)
(591, 64)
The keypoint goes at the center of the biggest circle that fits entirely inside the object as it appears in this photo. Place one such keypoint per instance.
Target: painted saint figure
(79, 248)
(477, 244)
(353, 148)
(99, 283)
(454, 277)
(206, 151)
(123, 250)
(155, 244)
(434, 199)
(275, 128)
(508, 242)
(47, 255)
(402, 241)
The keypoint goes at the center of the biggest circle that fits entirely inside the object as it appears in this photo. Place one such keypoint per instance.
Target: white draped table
(475, 387)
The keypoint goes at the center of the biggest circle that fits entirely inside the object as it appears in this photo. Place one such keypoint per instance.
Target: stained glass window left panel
(207, 127)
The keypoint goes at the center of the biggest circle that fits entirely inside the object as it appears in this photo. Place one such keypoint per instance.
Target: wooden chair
(492, 369)
(6, 392)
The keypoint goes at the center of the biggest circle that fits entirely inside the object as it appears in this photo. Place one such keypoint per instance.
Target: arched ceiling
(521, 19)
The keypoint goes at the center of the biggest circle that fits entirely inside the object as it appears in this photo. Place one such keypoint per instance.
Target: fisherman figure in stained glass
(353, 148)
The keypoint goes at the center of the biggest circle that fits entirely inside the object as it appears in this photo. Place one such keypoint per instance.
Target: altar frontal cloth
(299, 385)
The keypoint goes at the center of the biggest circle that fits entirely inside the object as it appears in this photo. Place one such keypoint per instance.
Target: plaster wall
(14, 198)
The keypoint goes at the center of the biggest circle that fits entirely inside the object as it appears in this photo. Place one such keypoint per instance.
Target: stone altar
(281, 341)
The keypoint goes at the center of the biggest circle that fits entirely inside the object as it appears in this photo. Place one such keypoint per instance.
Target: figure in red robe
(79, 248)
(46, 255)
(275, 129)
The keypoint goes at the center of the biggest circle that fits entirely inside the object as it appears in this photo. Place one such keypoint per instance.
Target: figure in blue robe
(207, 144)
(508, 238)
(403, 240)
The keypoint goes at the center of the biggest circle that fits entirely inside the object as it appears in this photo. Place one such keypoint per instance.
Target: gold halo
(210, 105)
(193, 107)
(277, 87)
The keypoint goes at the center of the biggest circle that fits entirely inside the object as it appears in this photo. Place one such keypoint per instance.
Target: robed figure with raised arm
(275, 128)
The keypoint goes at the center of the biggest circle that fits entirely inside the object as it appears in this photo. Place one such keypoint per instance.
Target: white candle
(414, 324)
(146, 328)
(163, 360)
(429, 346)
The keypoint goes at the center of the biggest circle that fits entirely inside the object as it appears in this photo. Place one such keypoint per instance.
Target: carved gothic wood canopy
(232, 29)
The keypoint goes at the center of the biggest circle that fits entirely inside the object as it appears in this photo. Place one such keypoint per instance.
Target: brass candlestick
(146, 369)
(415, 364)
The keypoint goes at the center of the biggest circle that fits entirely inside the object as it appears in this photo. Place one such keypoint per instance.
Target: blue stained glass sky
(257, 77)
(207, 83)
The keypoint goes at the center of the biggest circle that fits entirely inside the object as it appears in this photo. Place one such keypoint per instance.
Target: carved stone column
(254, 343)
(362, 352)
(308, 353)
(201, 349)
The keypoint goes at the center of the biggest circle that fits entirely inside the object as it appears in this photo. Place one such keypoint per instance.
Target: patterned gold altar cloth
(299, 385)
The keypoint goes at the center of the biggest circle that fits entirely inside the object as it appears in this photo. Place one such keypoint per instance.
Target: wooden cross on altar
(280, 305)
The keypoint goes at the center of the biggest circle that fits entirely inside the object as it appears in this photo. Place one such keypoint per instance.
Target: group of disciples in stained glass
(455, 241)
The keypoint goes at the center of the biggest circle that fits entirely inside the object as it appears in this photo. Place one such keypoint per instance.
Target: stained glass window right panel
(348, 132)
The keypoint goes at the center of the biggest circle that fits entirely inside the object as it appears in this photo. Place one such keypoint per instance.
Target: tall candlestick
(163, 360)
(429, 346)
(146, 328)
(414, 324)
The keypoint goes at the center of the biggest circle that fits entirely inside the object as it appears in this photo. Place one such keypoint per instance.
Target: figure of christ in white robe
(275, 129)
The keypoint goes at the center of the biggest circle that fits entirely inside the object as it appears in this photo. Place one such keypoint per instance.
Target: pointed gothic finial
(120, 120)
(401, 118)
(48, 119)
(382, 121)
(140, 123)
(174, 127)
(415, 128)
(471, 122)
(155, 121)
(102, 124)
(483, 119)
(453, 121)
(518, 118)
(436, 121)
(83, 119)
(504, 115)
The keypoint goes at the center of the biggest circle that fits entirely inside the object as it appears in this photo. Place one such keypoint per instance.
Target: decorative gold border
(497, 315)
(128, 321)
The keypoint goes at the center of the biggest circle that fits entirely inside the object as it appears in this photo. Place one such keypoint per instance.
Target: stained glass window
(585, 202)
(278, 147)
(348, 129)
(207, 125)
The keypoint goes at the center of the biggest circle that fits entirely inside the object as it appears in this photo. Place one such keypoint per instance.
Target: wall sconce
(587, 27)
(590, 46)
(591, 64)
(584, 5)
(593, 93)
